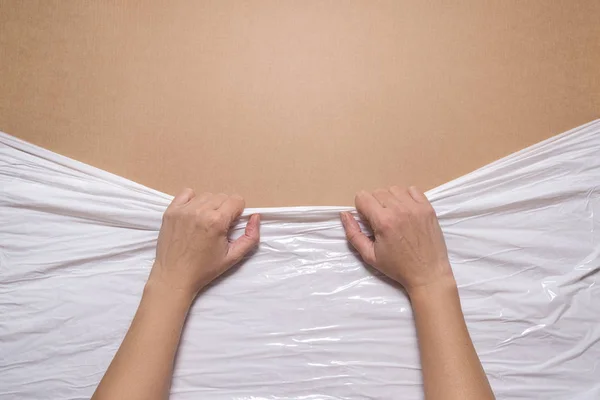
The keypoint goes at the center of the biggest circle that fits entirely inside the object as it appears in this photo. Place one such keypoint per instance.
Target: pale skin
(408, 246)
(193, 250)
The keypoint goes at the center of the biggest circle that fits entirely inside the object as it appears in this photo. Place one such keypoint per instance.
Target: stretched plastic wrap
(302, 317)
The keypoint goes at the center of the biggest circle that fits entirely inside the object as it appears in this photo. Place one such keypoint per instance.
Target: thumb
(242, 245)
(358, 239)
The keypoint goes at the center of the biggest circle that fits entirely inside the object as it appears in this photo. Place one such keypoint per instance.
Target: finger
(402, 195)
(417, 195)
(358, 239)
(367, 205)
(203, 198)
(214, 202)
(385, 198)
(242, 245)
(183, 197)
(233, 207)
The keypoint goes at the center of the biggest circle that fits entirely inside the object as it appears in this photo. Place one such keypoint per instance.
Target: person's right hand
(193, 247)
(408, 244)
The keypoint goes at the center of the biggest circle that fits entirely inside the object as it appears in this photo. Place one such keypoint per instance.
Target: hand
(193, 248)
(408, 244)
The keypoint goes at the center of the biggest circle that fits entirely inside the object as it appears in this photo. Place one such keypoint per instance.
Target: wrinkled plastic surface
(303, 318)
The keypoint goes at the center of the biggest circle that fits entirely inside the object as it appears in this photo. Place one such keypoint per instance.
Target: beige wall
(295, 102)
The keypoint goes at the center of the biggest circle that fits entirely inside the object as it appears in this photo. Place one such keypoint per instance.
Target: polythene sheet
(302, 317)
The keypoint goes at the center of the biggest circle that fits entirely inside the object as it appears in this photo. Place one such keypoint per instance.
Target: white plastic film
(302, 317)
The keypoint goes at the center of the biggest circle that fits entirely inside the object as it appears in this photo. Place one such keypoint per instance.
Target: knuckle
(212, 218)
(418, 191)
(427, 211)
(170, 214)
(386, 223)
(393, 220)
(239, 199)
(216, 220)
(198, 214)
(402, 213)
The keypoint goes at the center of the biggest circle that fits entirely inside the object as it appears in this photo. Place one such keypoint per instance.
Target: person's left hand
(193, 248)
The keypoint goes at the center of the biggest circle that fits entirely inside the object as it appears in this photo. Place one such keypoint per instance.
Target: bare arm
(451, 368)
(192, 251)
(409, 247)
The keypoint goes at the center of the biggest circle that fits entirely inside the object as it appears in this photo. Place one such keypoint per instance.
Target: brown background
(295, 102)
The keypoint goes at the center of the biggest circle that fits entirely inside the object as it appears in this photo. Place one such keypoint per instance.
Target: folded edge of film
(303, 318)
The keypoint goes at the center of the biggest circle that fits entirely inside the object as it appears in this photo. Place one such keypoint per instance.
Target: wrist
(167, 294)
(441, 289)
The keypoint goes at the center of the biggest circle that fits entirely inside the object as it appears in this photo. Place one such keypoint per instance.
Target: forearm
(451, 367)
(143, 365)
